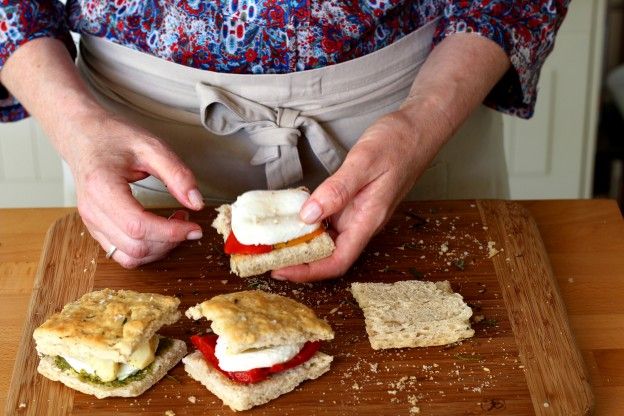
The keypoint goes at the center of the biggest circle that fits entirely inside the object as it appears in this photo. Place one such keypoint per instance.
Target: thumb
(334, 194)
(178, 178)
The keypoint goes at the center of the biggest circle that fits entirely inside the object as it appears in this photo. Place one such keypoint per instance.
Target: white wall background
(30, 169)
(550, 156)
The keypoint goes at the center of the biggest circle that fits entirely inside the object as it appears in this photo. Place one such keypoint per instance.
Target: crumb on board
(169, 413)
(491, 250)
(192, 399)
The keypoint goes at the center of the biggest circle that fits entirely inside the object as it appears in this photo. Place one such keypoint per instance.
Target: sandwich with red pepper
(261, 346)
(262, 231)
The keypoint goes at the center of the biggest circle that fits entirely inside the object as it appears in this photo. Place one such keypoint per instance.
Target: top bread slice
(412, 313)
(245, 265)
(256, 319)
(106, 324)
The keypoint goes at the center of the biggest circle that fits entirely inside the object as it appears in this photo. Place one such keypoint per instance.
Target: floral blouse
(281, 36)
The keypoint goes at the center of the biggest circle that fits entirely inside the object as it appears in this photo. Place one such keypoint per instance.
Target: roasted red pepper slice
(207, 343)
(233, 246)
(309, 349)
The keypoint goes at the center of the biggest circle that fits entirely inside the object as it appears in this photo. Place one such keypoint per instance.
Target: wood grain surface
(485, 374)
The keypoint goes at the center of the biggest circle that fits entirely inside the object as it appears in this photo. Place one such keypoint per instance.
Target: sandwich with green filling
(105, 343)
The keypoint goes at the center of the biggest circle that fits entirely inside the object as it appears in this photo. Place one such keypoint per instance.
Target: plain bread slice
(412, 313)
(245, 396)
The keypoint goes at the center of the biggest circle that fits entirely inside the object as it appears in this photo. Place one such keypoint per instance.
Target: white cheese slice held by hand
(269, 217)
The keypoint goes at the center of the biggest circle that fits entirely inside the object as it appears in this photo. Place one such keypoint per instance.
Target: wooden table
(584, 240)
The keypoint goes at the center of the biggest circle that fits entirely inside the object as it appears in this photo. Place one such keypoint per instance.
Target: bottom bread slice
(245, 396)
(164, 362)
(246, 265)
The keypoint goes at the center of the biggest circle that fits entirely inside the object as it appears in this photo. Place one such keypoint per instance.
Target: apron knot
(276, 132)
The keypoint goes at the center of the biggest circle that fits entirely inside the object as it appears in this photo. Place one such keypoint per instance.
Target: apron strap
(275, 132)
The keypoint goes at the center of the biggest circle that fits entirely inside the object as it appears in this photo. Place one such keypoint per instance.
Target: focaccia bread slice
(167, 357)
(412, 313)
(241, 397)
(246, 265)
(106, 324)
(257, 319)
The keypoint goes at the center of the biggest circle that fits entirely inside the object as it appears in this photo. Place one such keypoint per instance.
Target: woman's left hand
(360, 197)
(392, 153)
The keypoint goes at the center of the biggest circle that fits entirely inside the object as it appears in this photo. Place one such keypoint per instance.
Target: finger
(338, 190)
(167, 166)
(136, 223)
(135, 249)
(349, 245)
(125, 260)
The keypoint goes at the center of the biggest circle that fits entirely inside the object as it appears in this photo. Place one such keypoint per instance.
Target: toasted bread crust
(256, 319)
(106, 324)
(241, 397)
(163, 363)
(247, 265)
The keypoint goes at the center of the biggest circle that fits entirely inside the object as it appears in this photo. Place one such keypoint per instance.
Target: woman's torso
(253, 36)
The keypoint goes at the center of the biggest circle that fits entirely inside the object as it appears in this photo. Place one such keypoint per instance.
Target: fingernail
(196, 199)
(311, 213)
(278, 277)
(194, 235)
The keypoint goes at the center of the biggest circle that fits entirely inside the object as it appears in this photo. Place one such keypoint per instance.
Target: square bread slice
(412, 313)
(165, 361)
(105, 324)
(246, 265)
(245, 396)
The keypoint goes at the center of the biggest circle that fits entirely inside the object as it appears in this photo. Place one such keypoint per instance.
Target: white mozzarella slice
(125, 371)
(269, 217)
(79, 365)
(258, 358)
(108, 370)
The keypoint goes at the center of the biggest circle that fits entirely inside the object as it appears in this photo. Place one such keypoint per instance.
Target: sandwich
(105, 343)
(262, 231)
(412, 313)
(261, 346)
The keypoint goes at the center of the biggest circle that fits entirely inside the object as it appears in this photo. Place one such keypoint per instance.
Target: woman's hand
(389, 157)
(108, 154)
(360, 197)
(105, 154)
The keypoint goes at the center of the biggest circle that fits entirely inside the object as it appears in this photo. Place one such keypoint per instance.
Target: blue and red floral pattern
(282, 36)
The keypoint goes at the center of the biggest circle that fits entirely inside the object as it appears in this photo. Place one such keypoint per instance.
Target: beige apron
(240, 132)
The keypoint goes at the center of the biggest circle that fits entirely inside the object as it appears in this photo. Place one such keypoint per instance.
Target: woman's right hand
(107, 154)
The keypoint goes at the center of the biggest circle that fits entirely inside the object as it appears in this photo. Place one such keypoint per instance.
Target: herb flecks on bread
(105, 343)
(263, 346)
(412, 313)
(257, 319)
(107, 324)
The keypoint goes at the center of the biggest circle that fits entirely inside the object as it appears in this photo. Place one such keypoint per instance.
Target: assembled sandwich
(263, 346)
(105, 343)
(262, 231)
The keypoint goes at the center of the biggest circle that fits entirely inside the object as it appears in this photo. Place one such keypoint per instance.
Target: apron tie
(275, 132)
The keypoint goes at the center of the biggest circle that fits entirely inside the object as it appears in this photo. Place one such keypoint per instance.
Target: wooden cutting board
(522, 360)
